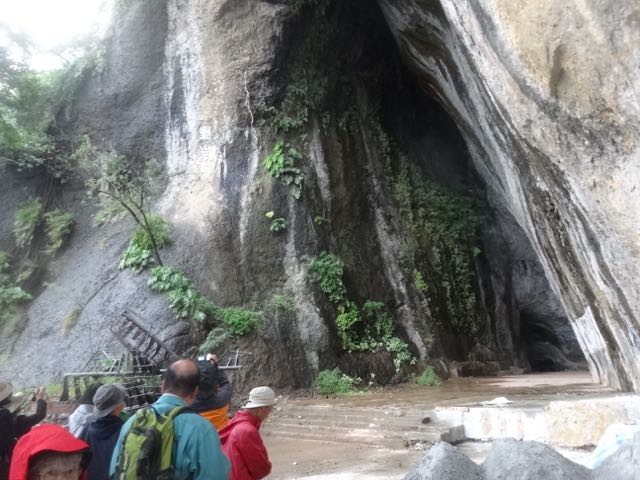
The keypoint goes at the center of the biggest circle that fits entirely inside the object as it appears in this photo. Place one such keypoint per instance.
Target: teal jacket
(196, 452)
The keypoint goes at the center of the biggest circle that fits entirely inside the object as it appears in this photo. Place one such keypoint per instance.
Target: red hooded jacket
(242, 444)
(44, 438)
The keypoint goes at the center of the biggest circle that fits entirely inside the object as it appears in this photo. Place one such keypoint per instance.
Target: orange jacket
(242, 444)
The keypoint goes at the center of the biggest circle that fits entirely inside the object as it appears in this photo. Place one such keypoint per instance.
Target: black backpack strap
(174, 412)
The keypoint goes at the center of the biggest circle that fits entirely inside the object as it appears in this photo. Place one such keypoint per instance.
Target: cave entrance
(518, 320)
(526, 325)
(550, 343)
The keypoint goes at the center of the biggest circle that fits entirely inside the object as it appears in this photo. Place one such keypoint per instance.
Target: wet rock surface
(555, 137)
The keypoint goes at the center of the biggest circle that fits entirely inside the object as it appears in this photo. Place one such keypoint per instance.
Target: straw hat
(6, 392)
(261, 397)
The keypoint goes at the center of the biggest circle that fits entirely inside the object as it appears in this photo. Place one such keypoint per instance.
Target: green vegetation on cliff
(183, 297)
(281, 164)
(31, 216)
(120, 183)
(327, 269)
(334, 383)
(366, 329)
(139, 254)
(30, 102)
(186, 301)
(442, 227)
(11, 295)
(58, 226)
(28, 217)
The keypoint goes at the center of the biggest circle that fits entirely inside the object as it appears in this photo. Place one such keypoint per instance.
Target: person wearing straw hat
(12, 425)
(241, 441)
(102, 433)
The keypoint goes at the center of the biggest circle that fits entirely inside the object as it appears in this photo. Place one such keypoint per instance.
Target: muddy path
(331, 460)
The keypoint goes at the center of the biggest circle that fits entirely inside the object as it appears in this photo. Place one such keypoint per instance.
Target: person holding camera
(214, 394)
(14, 425)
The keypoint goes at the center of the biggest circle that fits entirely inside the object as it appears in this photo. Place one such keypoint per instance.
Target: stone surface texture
(543, 132)
(511, 459)
(622, 465)
(444, 461)
(546, 95)
(582, 423)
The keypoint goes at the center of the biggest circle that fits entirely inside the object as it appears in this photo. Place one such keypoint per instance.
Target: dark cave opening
(550, 344)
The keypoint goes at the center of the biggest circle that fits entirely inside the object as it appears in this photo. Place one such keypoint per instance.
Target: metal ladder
(151, 350)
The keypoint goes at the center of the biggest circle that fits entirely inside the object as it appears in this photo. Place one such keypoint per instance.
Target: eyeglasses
(55, 474)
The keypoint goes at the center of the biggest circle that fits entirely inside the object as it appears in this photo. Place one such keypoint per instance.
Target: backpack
(147, 449)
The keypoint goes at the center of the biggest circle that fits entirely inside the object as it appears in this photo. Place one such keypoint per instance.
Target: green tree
(25, 112)
(113, 178)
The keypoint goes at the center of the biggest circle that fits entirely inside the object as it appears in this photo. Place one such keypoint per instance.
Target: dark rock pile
(511, 459)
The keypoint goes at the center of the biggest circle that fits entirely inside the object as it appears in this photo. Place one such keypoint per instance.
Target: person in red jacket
(49, 451)
(241, 441)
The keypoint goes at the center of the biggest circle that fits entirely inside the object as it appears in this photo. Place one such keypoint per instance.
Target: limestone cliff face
(549, 161)
(546, 95)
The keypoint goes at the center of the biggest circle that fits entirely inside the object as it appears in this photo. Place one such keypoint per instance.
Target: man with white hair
(241, 441)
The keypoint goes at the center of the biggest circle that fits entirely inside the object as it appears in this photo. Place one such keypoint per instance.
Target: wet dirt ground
(314, 460)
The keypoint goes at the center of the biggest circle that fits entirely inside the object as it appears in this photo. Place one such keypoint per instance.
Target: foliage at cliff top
(30, 101)
(25, 113)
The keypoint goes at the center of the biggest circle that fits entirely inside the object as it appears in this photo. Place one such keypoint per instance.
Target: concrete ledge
(583, 422)
(574, 423)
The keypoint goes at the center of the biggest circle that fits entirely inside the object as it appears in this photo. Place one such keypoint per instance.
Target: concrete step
(356, 420)
(361, 436)
(356, 414)
(350, 423)
(345, 410)
(324, 437)
(349, 426)
(422, 417)
(388, 427)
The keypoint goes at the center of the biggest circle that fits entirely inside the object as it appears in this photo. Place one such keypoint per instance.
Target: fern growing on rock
(280, 164)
